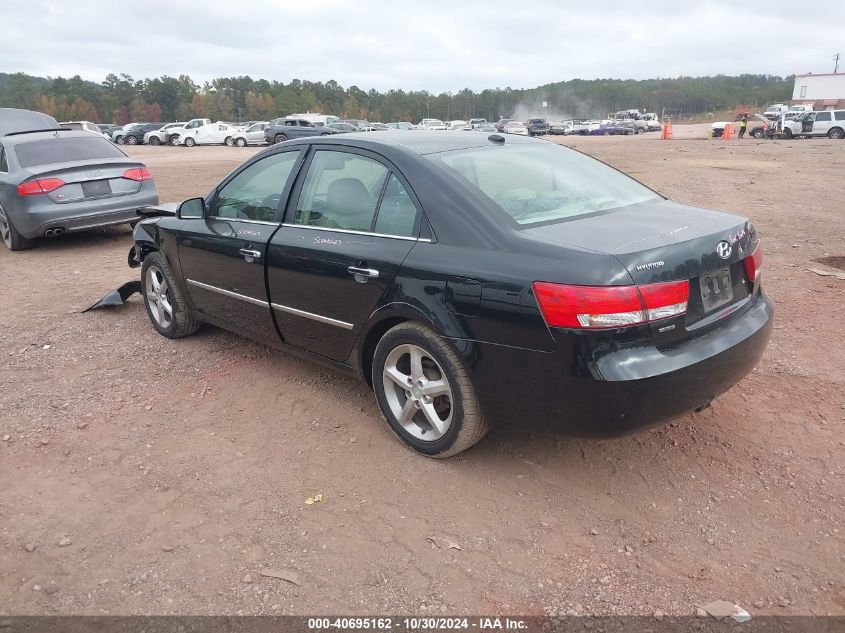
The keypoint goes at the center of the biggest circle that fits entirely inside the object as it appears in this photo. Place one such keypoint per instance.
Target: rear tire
(229, 142)
(13, 240)
(174, 140)
(836, 132)
(279, 138)
(119, 140)
(131, 140)
(241, 142)
(189, 142)
(438, 384)
(165, 299)
(154, 140)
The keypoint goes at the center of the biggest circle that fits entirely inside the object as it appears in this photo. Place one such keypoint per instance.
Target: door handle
(250, 255)
(363, 272)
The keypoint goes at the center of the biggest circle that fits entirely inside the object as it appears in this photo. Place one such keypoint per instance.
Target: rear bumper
(588, 390)
(79, 216)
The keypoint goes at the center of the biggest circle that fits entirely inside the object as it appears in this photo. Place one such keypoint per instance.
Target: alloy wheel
(5, 229)
(158, 298)
(418, 392)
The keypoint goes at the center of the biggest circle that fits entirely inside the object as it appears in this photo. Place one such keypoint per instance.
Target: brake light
(35, 187)
(138, 173)
(753, 264)
(597, 307)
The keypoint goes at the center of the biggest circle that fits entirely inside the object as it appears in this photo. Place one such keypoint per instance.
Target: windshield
(65, 150)
(544, 183)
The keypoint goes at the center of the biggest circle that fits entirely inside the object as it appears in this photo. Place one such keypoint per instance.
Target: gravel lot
(140, 475)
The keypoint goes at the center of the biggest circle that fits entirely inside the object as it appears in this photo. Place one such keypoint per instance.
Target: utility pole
(835, 63)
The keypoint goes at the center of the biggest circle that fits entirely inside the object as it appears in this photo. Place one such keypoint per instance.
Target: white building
(826, 91)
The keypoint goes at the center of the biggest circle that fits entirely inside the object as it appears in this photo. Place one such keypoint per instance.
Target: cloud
(437, 46)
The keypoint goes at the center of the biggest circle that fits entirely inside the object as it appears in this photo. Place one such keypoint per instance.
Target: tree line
(121, 99)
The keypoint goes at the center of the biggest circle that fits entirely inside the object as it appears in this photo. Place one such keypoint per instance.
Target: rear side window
(839, 115)
(4, 164)
(397, 214)
(64, 150)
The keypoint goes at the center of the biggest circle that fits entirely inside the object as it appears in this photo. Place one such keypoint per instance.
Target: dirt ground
(140, 475)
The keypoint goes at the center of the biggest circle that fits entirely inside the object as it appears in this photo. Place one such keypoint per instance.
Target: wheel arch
(379, 323)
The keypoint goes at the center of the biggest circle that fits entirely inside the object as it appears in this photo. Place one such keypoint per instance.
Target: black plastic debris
(118, 296)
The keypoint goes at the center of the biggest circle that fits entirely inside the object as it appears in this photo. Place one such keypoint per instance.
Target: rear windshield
(63, 150)
(543, 183)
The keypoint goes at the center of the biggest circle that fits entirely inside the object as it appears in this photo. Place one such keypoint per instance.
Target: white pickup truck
(218, 133)
(175, 133)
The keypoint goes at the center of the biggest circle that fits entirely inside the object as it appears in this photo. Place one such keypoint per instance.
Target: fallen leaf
(315, 499)
(443, 543)
(282, 574)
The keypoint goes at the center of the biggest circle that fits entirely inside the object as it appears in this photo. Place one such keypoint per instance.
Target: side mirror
(191, 209)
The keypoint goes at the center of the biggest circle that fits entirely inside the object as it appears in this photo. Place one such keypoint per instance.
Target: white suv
(830, 123)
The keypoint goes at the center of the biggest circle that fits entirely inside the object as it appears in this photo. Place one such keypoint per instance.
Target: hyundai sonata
(469, 280)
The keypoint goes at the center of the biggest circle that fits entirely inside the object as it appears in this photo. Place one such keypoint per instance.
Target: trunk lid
(660, 241)
(85, 180)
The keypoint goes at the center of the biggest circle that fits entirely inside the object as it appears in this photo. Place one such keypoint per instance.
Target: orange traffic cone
(667, 132)
(729, 133)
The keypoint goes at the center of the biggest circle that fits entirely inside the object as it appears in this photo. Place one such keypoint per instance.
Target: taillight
(138, 173)
(753, 264)
(597, 307)
(35, 187)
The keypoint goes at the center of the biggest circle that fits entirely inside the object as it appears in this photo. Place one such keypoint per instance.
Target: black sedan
(469, 280)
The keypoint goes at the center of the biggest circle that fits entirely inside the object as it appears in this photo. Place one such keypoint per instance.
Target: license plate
(716, 289)
(96, 188)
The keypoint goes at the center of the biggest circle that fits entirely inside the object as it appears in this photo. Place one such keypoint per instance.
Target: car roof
(418, 141)
(15, 120)
(17, 139)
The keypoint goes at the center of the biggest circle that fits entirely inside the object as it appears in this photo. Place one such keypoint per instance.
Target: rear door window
(822, 116)
(64, 150)
(341, 191)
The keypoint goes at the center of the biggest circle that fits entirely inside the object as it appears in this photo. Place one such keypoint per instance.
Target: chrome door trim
(228, 293)
(245, 221)
(350, 231)
(312, 316)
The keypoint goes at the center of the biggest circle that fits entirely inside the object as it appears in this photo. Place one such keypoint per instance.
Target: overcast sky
(432, 45)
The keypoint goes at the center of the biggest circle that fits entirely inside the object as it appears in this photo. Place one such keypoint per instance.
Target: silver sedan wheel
(418, 392)
(5, 229)
(158, 298)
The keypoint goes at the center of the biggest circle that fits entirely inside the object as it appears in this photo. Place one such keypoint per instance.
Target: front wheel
(174, 140)
(787, 133)
(131, 140)
(154, 140)
(241, 142)
(229, 142)
(189, 142)
(757, 133)
(836, 132)
(425, 393)
(165, 300)
(119, 140)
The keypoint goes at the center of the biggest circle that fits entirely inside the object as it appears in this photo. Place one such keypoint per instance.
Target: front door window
(255, 192)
